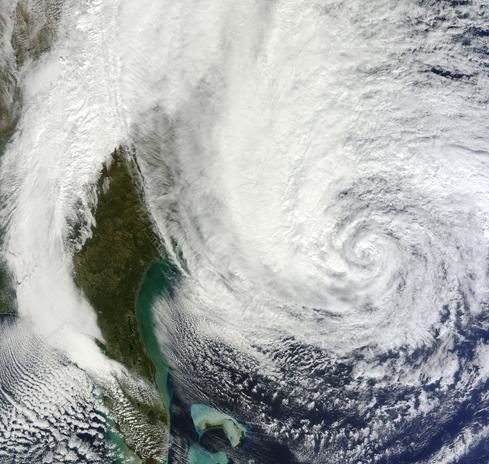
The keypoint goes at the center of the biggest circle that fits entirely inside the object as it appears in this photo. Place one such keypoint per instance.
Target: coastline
(157, 282)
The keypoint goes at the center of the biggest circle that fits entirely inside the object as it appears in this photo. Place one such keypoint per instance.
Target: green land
(119, 268)
(112, 263)
(7, 292)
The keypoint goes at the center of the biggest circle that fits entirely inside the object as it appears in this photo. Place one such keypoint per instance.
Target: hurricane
(317, 174)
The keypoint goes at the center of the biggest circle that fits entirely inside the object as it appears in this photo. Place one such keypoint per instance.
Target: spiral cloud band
(318, 173)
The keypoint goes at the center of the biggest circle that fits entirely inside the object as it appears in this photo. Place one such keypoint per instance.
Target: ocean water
(318, 173)
(49, 411)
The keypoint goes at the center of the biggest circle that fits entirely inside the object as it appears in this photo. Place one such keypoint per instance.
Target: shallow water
(318, 173)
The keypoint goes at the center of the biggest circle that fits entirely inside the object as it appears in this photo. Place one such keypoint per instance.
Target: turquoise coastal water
(124, 454)
(198, 455)
(206, 418)
(158, 282)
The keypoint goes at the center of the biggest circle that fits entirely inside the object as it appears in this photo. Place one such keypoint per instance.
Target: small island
(206, 418)
(198, 455)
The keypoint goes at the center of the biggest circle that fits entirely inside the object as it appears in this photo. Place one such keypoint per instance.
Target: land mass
(110, 265)
(109, 268)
